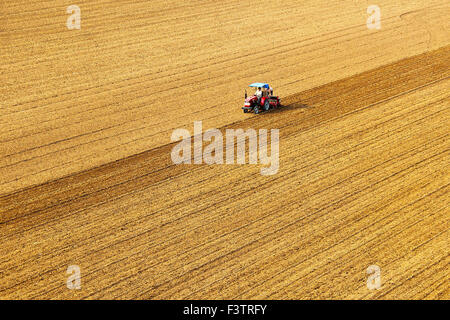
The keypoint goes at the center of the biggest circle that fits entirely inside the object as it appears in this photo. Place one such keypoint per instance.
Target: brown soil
(87, 178)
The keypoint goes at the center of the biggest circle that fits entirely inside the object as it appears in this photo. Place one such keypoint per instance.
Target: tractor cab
(262, 99)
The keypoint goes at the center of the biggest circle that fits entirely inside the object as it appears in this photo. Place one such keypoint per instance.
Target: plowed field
(87, 179)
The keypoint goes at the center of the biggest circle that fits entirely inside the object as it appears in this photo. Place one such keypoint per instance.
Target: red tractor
(263, 99)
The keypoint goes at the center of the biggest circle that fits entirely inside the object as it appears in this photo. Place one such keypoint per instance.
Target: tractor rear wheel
(266, 105)
(256, 110)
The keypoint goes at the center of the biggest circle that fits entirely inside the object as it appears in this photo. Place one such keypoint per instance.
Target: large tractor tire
(266, 105)
(256, 110)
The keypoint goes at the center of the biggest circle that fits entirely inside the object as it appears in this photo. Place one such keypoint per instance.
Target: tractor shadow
(289, 107)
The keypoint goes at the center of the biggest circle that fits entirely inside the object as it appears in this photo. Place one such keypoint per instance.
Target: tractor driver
(259, 95)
